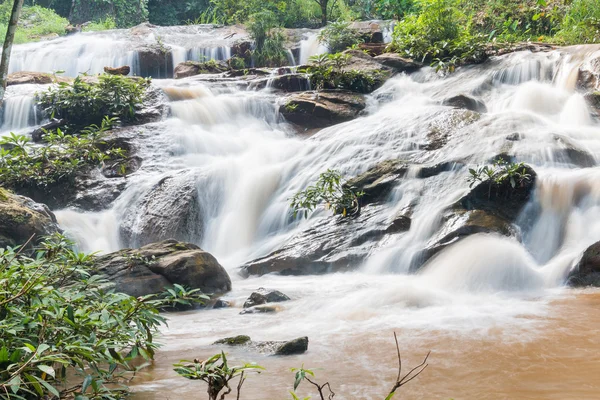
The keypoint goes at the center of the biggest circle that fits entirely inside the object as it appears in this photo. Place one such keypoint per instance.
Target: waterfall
(310, 46)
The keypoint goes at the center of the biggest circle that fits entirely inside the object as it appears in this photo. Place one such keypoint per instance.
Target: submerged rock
(278, 348)
(263, 296)
(239, 340)
(587, 270)
(465, 102)
(157, 266)
(264, 309)
(22, 219)
(322, 109)
(192, 68)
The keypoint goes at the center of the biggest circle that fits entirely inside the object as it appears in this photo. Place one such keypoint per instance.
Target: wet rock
(322, 109)
(359, 61)
(22, 219)
(121, 168)
(465, 102)
(501, 199)
(296, 346)
(157, 266)
(373, 49)
(170, 209)
(124, 70)
(220, 303)
(154, 108)
(239, 340)
(534, 47)
(378, 181)
(330, 245)
(40, 78)
(38, 134)
(445, 124)
(264, 309)
(570, 153)
(398, 63)
(192, 68)
(587, 270)
(73, 29)
(286, 83)
(156, 61)
(514, 137)
(263, 296)
(589, 75)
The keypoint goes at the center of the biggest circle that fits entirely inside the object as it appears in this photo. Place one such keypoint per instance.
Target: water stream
(492, 309)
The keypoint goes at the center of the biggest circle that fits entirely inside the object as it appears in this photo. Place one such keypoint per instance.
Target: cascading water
(228, 163)
(310, 46)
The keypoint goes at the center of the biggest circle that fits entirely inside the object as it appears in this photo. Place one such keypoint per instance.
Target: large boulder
(170, 209)
(155, 61)
(587, 270)
(157, 266)
(589, 75)
(398, 63)
(465, 102)
(286, 82)
(377, 182)
(20, 78)
(124, 70)
(22, 219)
(264, 296)
(322, 109)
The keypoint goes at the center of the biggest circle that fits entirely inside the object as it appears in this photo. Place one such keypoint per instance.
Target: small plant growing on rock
(303, 374)
(217, 373)
(502, 170)
(327, 71)
(338, 36)
(331, 191)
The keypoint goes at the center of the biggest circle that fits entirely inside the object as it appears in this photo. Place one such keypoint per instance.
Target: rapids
(492, 309)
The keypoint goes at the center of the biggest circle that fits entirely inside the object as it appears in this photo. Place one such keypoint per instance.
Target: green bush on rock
(83, 103)
(339, 36)
(57, 321)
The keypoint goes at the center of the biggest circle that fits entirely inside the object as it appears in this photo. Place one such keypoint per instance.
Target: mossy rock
(239, 340)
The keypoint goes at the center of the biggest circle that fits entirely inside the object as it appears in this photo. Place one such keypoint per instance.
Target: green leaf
(47, 369)
(86, 383)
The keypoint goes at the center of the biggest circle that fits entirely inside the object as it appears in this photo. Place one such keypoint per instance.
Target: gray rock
(157, 266)
(296, 346)
(264, 309)
(465, 102)
(587, 270)
(263, 296)
(239, 340)
(399, 63)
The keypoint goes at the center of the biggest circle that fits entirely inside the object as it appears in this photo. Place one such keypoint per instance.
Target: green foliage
(217, 373)
(35, 22)
(502, 171)
(175, 12)
(327, 71)
(105, 24)
(269, 50)
(339, 36)
(393, 9)
(23, 164)
(82, 103)
(331, 191)
(236, 62)
(59, 320)
(126, 13)
(308, 375)
(441, 32)
(581, 23)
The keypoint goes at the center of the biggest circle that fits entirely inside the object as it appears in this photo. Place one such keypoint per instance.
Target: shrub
(81, 103)
(581, 23)
(501, 171)
(23, 164)
(440, 33)
(58, 319)
(338, 36)
(105, 24)
(34, 23)
(331, 191)
(269, 50)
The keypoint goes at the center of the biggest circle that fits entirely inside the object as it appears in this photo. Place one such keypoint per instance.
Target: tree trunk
(7, 47)
(323, 4)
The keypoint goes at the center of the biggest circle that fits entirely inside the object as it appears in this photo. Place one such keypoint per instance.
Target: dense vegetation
(63, 333)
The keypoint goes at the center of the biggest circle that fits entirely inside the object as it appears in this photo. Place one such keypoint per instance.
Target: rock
(155, 107)
(122, 167)
(40, 78)
(156, 61)
(22, 219)
(444, 124)
(38, 134)
(153, 268)
(501, 199)
(221, 304)
(398, 63)
(378, 181)
(465, 102)
(570, 153)
(239, 340)
(73, 29)
(296, 346)
(374, 49)
(264, 309)
(286, 83)
(170, 209)
(124, 70)
(322, 109)
(587, 270)
(263, 296)
(589, 75)
(192, 68)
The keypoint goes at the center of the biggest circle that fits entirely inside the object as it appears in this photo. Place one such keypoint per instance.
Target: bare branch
(412, 374)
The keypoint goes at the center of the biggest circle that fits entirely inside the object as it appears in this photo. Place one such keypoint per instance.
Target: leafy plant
(217, 373)
(269, 50)
(59, 320)
(81, 103)
(515, 173)
(328, 71)
(23, 164)
(302, 375)
(339, 36)
(331, 191)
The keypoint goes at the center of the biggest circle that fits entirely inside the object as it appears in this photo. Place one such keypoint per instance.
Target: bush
(81, 103)
(328, 190)
(105, 24)
(269, 50)
(34, 23)
(338, 36)
(59, 320)
(440, 33)
(24, 165)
